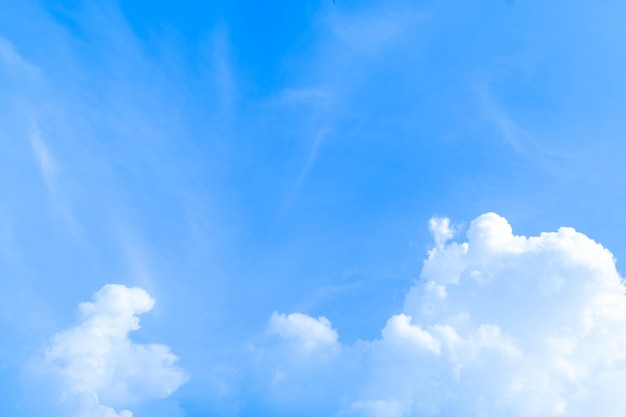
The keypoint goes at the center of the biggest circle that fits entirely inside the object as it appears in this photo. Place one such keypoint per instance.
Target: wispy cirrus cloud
(14, 62)
(48, 165)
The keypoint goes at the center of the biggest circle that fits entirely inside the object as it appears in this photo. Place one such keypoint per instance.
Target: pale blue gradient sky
(239, 158)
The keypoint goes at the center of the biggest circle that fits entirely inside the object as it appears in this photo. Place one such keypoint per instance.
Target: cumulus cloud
(499, 324)
(306, 334)
(294, 354)
(99, 368)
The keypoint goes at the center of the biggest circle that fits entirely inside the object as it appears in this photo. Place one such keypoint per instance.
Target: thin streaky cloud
(8, 244)
(313, 154)
(49, 168)
(46, 162)
(509, 130)
(14, 61)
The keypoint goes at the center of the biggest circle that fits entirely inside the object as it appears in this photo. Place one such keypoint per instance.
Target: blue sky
(236, 159)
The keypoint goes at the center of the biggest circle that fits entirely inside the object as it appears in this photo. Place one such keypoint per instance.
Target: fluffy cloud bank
(497, 325)
(100, 369)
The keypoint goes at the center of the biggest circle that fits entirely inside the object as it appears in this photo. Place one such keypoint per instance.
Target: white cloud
(306, 334)
(100, 368)
(441, 230)
(400, 331)
(498, 325)
(296, 352)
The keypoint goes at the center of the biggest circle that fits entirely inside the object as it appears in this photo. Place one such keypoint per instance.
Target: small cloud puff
(441, 230)
(306, 334)
(100, 368)
(498, 325)
(295, 353)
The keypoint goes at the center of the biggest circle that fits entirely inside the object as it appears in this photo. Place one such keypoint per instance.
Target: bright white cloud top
(306, 334)
(100, 369)
(497, 325)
